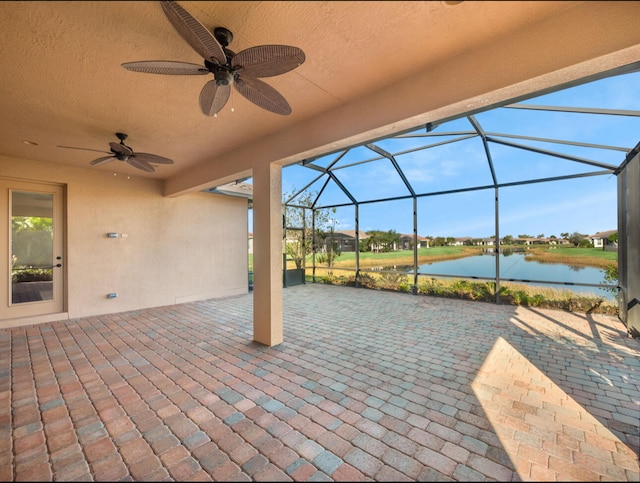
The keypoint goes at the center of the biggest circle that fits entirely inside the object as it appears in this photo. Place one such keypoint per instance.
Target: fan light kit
(242, 70)
(121, 152)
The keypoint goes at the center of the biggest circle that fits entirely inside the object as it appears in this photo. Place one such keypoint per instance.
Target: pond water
(513, 265)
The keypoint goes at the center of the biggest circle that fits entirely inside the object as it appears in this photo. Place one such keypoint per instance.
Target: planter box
(293, 276)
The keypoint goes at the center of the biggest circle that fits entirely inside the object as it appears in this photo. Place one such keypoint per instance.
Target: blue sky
(586, 205)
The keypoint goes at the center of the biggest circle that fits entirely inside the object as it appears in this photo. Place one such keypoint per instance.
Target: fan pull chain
(233, 109)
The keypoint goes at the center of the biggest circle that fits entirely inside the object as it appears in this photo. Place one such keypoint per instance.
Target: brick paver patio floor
(367, 386)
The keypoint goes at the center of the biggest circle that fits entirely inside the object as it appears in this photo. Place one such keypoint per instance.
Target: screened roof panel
(402, 146)
(516, 165)
(307, 196)
(328, 160)
(356, 155)
(602, 129)
(296, 177)
(370, 181)
(419, 138)
(600, 157)
(462, 164)
(527, 141)
(617, 95)
(331, 194)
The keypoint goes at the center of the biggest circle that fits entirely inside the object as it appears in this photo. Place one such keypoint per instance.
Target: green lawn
(422, 252)
(585, 252)
(400, 254)
(592, 257)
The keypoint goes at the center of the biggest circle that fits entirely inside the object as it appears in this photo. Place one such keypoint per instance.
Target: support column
(496, 246)
(267, 254)
(414, 289)
(357, 225)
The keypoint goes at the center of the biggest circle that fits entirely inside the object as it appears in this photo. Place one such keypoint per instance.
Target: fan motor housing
(223, 77)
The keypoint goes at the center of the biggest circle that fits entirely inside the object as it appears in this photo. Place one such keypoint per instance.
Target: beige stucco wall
(177, 250)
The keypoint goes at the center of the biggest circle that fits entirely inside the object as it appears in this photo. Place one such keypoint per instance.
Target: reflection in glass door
(33, 284)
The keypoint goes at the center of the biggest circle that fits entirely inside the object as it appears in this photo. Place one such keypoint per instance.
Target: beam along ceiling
(63, 84)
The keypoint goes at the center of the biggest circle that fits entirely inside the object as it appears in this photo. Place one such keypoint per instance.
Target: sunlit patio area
(368, 385)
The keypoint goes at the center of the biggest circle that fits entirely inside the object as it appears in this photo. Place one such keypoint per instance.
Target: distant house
(484, 242)
(344, 239)
(537, 241)
(601, 239)
(460, 241)
(470, 241)
(523, 241)
(406, 242)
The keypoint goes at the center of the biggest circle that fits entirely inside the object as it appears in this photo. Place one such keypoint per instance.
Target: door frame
(41, 311)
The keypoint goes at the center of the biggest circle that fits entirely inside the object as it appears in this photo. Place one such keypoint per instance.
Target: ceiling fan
(121, 152)
(241, 70)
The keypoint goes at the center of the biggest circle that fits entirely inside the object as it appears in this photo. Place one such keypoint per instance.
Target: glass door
(33, 281)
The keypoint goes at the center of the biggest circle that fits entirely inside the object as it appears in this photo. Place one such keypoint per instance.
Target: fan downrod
(121, 136)
(223, 35)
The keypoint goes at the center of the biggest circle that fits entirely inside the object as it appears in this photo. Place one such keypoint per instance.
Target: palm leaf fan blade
(103, 160)
(140, 164)
(268, 60)
(166, 67)
(194, 33)
(152, 158)
(263, 95)
(213, 97)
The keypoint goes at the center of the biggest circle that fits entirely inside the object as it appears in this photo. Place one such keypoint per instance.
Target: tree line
(301, 232)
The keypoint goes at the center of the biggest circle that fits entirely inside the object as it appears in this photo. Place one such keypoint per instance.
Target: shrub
(510, 293)
(611, 276)
(367, 280)
(391, 280)
(405, 287)
(28, 274)
(433, 287)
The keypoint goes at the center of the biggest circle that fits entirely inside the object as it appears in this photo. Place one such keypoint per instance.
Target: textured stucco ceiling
(63, 84)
